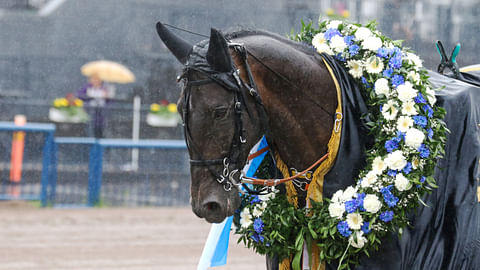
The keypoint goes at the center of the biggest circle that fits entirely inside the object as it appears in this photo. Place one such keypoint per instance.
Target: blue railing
(48, 130)
(96, 157)
(74, 169)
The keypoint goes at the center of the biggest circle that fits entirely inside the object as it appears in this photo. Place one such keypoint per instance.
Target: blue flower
(331, 32)
(351, 206)
(391, 145)
(386, 216)
(388, 197)
(343, 229)
(382, 52)
(424, 151)
(430, 133)
(395, 52)
(395, 62)
(348, 40)
(353, 50)
(386, 189)
(258, 225)
(365, 82)
(408, 168)
(400, 136)
(392, 173)
(428, 110)
(255, 200)
(420, 99)
(359, 201)
(366, 227)
(257, 237)
(387, 73)
(339, 57)
(397, 80)
(420, 120)
(422, 179)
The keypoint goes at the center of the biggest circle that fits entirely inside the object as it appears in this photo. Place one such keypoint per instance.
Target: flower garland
(409, 138)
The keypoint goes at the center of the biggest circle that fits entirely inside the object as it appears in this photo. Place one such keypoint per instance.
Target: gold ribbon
(315, 190)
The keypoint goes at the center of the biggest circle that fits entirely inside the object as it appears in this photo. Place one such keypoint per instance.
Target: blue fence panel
(35, 182)
(119, 172)
(158, 177)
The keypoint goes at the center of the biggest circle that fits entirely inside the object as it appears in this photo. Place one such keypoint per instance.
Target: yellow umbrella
(108, 71)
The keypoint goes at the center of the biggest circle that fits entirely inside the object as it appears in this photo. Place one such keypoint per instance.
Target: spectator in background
(96, 94)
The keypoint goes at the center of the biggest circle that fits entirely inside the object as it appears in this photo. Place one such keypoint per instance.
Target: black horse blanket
(446, 234)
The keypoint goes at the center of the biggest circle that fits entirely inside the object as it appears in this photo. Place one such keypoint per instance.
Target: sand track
(107, 239)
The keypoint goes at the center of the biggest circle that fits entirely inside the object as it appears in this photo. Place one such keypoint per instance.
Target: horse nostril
(212, 206)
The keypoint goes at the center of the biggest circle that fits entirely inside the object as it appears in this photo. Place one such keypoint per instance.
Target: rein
(275, 182)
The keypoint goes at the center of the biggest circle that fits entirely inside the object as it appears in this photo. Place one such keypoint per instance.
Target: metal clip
(227, 186)
(252, 91)
(242, 140)
(221, 179)
(338, 121)
(238, 105)
(237, 78)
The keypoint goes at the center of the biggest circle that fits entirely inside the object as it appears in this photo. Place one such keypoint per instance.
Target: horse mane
(302, 46)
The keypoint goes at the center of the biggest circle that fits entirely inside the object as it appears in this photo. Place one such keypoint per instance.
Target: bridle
(230, 81)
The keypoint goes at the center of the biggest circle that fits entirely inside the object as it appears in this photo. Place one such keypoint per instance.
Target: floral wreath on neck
(409, 138)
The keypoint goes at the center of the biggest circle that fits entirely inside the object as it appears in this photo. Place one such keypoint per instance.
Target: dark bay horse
(298, 96)
(239, 86)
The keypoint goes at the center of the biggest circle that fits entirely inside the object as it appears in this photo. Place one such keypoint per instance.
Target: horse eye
(220, 112)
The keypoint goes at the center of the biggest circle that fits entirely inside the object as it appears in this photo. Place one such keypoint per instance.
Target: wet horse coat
(300, 99)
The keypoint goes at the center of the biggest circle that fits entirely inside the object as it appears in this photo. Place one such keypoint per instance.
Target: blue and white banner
(216, 248)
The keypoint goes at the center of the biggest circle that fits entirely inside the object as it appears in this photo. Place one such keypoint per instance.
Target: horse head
(219, 122)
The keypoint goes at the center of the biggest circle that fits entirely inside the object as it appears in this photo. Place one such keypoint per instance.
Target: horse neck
(299, 97)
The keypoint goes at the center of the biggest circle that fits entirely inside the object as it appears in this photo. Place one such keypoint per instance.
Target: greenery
(409, 137)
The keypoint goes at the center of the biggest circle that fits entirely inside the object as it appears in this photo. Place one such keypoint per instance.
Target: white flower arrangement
(409, 138)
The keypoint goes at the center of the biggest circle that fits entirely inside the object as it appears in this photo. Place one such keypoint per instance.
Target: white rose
(259, 208)
(334, 24)
(324, 48)
(355, 221)
(362, 33)
(378, 165)
(336, 210)
(402, 183)
(414, 59)
(371, 203)
(404, 123)
(369, 179)
(406, 92)
(381, 87)
(414, 138)
(413, 76)
(337, 196)
(357, 241)
(338, 44)
(431, 96)
(372, 43)
(395, 160)
(245, 218)
(349, 193)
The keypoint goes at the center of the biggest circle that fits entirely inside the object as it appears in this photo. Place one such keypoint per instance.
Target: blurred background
(45, 43)
(138, 160)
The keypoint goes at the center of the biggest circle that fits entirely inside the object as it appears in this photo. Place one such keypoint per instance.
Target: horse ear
(218, 55)
(179, 47)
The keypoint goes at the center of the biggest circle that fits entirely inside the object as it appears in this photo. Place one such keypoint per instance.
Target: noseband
(230, 81)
